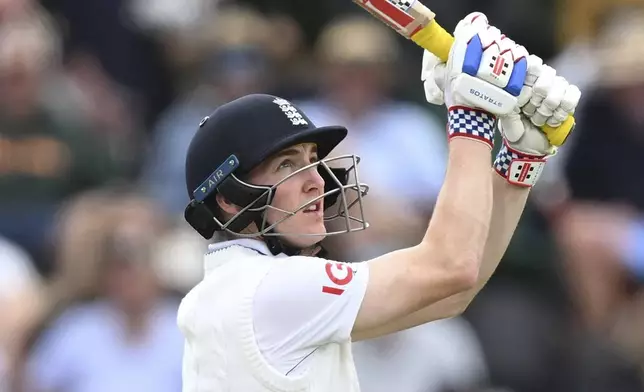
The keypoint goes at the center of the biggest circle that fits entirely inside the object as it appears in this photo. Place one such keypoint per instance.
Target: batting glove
(521, 159)
(545, 99)
(549, 100)
(482, 79)
(526, 147)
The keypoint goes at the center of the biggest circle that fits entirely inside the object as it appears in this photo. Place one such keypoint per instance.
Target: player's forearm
(447, 261)
(460, 223)
(508, 205)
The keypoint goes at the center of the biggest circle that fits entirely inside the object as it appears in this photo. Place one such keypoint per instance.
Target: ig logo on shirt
(340, 274)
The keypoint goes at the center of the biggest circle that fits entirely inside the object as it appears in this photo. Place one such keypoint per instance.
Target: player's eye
(286, 164)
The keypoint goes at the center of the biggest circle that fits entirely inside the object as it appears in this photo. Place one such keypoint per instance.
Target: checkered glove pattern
(402, 4)
(518, 168)
(471, 123)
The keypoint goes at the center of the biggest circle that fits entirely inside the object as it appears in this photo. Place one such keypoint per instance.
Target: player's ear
(227, 206)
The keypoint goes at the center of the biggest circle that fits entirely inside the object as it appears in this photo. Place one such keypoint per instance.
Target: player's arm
(509, 202)
(526, 154)
(518, 166)
(446, 262)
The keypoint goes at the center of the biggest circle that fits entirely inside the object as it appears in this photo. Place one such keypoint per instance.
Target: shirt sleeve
(304, 303)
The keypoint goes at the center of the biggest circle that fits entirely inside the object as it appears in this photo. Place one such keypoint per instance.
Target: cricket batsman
(271, 313)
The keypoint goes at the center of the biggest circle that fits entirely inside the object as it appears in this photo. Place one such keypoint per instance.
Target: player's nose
(314, 181)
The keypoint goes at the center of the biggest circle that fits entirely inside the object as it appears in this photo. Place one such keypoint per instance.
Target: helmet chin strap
(277, 246)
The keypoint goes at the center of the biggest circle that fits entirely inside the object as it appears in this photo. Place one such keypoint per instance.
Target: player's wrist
(519, 168)
(470, 123)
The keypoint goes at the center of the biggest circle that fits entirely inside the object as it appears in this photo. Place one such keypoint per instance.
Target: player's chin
(313, 233)
(304, 242)
(316, 231)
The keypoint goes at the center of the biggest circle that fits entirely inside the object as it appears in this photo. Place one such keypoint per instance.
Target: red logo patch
(498, 66)
(340, 275)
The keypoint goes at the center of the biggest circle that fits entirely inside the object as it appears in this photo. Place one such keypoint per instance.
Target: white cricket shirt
(259, 322)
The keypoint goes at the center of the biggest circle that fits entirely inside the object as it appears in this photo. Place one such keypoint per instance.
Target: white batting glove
(547, 98)
(433, 76)
(522, 128)
(544, 99)
(525, 150)
(480, 70)
(482, 79)
(525, 146)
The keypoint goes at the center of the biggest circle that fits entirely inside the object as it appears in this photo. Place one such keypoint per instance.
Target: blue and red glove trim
(518, 168)
(471, 123)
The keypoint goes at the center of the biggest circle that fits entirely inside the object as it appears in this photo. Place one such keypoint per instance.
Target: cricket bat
(414, 21)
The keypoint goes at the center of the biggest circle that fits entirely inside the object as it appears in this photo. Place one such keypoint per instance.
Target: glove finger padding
(545, 113)
(555, 95)
(552, 101)
(544, 81)
(539, 118)
(540, 89)
(433, 77)
(552, 88)
(558, 117)
(524, 97)
(534, 70)
(571, 99)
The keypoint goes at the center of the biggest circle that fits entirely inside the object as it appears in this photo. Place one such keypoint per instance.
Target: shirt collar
(215, 258)
(250, 243)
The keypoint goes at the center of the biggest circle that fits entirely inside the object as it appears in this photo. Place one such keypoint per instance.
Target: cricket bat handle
(414, 21)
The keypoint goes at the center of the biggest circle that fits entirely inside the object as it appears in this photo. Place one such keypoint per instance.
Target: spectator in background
(119, 333)
(582, 20)
(234, 62)
(402, 146)
(43, 160)
(579, 28)
(602, 227)
(126, 44)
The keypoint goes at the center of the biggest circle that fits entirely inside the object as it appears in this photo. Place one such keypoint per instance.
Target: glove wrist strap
(519, 168)
(471, 123)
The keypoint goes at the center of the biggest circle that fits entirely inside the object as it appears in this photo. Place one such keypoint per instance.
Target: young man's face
(293, 193)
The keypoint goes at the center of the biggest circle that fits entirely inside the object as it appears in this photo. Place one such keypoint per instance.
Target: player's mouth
(316, 208)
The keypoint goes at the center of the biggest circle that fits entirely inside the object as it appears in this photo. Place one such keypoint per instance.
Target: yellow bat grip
(438, 41)
(434, 38)
(557, 136)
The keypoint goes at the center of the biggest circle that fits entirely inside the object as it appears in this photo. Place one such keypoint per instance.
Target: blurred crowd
(99, 100)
